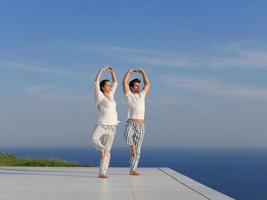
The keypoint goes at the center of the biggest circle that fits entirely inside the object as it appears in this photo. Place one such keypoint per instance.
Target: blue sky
(207, 61)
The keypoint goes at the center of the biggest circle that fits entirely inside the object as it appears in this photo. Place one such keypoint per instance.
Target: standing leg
(97, 138)
(107, 141)
(102, 173)
(138, 139)
(128, 136)
(129, 133)
(132, 150)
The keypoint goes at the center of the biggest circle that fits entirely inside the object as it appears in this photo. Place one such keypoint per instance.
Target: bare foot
(133, 173)
(102, 176)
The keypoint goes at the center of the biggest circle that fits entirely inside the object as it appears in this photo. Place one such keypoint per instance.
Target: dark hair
(136, 80)
(102, 84)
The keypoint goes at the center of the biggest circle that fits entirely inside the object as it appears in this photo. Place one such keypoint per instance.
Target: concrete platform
(71, 183)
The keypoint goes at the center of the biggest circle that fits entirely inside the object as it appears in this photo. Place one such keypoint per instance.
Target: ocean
(241, 174)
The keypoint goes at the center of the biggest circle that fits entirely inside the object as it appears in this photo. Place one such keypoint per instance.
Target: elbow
(97, 79)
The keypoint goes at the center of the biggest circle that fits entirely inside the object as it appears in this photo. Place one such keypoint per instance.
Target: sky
(207, 62)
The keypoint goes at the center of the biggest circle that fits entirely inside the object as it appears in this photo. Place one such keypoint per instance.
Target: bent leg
(96, 137)
(128, 133)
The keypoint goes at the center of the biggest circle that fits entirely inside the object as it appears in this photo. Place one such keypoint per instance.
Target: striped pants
(102, 138)
(134, 134)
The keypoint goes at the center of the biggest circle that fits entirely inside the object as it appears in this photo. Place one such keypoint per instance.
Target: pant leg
(107, 141)
(96, 136)
(128, 133)
(138, 139)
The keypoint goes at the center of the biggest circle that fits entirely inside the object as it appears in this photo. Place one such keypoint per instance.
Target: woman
(103, 135)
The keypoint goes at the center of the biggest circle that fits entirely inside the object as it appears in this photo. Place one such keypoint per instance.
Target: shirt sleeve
(98, 93)
(128, 96)
(143, 94)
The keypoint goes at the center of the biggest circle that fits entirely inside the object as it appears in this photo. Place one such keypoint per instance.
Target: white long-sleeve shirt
(106, 107)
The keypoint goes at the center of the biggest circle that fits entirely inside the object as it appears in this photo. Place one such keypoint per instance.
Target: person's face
(107, 87)
(136, 87)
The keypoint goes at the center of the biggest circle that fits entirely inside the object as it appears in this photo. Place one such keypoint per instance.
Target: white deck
(72, 183)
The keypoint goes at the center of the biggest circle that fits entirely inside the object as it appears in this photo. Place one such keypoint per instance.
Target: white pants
(102, 138)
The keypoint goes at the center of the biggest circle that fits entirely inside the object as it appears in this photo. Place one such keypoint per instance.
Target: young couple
(103, 135)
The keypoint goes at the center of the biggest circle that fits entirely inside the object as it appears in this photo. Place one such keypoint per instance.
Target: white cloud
(27, 67)
(229, 55)
(49, 91)
(39, 69)
(214, 87)
(37, 89)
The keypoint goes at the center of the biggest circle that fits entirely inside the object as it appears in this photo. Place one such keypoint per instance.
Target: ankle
(102, 176)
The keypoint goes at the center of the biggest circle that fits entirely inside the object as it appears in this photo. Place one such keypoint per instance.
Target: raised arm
(113, 75)
(98, 93)
(100, 72)
(114, 80)
(125, 85)
(146, 81)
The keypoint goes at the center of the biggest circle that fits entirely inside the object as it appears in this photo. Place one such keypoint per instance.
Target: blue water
(241, 174)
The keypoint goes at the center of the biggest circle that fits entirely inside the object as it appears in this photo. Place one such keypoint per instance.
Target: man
(135, 128)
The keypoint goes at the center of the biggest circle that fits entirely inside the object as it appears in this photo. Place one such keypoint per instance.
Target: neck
(134, 92)
(106, 93)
